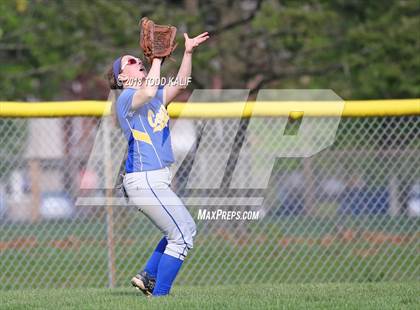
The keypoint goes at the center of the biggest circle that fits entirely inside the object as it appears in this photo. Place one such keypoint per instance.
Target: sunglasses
(131, 61)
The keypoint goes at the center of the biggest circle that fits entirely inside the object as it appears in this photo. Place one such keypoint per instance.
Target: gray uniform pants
(150, 192)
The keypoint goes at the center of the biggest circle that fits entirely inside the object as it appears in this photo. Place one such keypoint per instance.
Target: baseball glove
(156, 41)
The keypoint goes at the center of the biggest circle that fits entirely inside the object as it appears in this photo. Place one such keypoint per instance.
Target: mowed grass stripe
(285, 296)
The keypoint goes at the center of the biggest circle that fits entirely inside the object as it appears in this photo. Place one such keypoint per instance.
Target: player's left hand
(191, 43)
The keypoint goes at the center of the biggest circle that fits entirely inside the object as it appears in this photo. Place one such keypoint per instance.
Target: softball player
(142, 115)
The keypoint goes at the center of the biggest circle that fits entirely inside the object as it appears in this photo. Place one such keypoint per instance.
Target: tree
(360, 49)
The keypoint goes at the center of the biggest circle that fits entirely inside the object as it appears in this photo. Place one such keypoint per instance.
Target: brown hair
(112, 82)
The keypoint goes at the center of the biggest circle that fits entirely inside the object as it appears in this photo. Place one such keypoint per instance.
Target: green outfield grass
(73, 254)
(286, 296)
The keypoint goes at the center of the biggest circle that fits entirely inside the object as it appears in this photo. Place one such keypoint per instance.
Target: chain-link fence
(348, 213)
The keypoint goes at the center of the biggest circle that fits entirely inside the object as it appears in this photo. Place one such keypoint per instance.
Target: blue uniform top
(147, 132)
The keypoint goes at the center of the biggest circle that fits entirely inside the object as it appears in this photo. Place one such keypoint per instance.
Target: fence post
(109, 211)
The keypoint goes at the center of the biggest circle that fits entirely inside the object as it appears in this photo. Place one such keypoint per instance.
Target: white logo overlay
(231, 145)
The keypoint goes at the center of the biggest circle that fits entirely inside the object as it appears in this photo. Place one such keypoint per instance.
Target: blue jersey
(147, 132)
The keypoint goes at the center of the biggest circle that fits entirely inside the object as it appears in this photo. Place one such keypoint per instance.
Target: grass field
(287, 296)
(73, 254)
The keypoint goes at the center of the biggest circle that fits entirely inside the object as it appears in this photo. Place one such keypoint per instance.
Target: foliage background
(360, 49)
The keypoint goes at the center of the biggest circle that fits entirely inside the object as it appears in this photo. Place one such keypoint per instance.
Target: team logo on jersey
(159, 120)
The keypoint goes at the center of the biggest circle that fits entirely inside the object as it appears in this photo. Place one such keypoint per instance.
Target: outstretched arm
(146, 91)
(184, 73)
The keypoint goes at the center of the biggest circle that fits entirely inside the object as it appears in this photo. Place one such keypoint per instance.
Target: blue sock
(167, 271)
(153, 262)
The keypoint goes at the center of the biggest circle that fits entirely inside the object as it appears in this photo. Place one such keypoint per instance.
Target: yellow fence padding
(352, 108)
